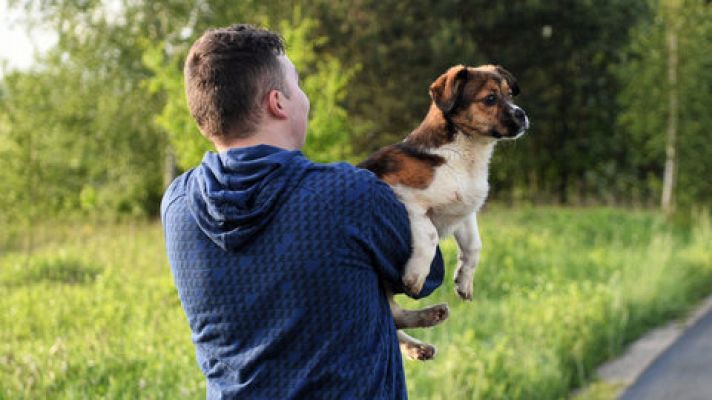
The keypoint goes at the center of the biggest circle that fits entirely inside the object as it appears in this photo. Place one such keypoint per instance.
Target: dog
(439, 172)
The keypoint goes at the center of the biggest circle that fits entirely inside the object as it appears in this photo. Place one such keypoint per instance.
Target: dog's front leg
(425, 242)
(468, 241)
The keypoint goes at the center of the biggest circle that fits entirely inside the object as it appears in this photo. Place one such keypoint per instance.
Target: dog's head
(478, 101)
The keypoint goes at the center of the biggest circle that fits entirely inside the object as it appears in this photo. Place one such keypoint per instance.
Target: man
(280, 262)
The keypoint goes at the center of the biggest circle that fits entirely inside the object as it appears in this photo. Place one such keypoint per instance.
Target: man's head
(238, 81)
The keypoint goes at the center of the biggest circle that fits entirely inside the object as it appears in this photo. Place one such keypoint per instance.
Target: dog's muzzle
(521, 119)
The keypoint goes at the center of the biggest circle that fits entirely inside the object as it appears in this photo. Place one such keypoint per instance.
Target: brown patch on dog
(476, 117)
(403, 164)
(446, 90)
(509, 85)
(412, 173)
(432, 132)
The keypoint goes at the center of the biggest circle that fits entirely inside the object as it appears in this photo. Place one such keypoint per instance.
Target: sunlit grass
(95, 314)
(120, 334)
(558, 292)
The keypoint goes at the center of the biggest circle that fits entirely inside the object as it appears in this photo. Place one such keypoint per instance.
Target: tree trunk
(668, 202)
(563, 187)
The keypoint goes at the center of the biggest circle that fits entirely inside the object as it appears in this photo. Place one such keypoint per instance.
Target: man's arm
(390, 241)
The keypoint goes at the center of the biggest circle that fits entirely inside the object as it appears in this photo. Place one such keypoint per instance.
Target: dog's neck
(467, 153)
(433, 134)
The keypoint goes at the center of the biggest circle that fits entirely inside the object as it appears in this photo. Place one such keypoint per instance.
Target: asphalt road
(683, 371)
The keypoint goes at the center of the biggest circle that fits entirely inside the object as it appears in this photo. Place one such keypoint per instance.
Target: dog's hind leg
(469, 244)
(423, 318)
(414, 349)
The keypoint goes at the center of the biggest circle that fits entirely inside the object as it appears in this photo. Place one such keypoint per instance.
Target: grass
(105, 323)
(558, 291)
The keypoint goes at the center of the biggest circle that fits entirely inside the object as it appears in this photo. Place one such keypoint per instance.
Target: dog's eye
(490, 100)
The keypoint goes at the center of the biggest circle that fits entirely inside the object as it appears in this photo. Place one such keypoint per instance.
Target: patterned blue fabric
(280, 264)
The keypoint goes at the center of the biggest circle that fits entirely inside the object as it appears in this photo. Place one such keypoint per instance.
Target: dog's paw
(419, 351)
(434, 315)
(423, 318)
(414, 282)
(463, 287)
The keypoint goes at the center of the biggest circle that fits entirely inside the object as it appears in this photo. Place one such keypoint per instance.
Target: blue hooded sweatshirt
(280, 265)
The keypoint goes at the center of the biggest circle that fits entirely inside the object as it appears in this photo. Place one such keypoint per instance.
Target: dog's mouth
(512, 132)
(516, 126)
(522, 129)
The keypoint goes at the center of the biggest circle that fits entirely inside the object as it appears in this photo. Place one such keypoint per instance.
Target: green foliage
(74, 130)
(558, 292)
(186, 140)
(560, 52)
(645, 104)
(324, 80)
(401, 49)
(88, 129)
(600, 391)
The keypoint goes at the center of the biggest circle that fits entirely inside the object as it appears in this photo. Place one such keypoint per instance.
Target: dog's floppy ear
(446, 89)
(511, 80)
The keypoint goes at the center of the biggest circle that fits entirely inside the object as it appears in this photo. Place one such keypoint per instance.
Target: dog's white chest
(457, 193)
(459, 186)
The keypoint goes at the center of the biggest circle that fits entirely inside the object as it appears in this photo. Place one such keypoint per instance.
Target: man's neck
(267, 136)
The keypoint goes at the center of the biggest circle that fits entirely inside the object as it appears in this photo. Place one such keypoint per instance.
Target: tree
(84, 113)
(561, 52)
(103, 110)
(671, 145)
(665, 57)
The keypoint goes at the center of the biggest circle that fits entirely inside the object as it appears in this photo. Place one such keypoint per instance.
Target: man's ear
(275, 104)
(511, 80)
(446, 89)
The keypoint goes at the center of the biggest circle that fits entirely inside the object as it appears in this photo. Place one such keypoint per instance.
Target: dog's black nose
(519, 114)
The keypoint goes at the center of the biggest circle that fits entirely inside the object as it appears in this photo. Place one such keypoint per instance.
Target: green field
(92, 313)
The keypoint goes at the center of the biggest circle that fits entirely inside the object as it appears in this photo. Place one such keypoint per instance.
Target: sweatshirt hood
(235, 193)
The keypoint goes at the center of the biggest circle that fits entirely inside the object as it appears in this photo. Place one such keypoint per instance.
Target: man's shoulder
(175, 191)
(342, 171)
(348, 190)
(341, 180)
